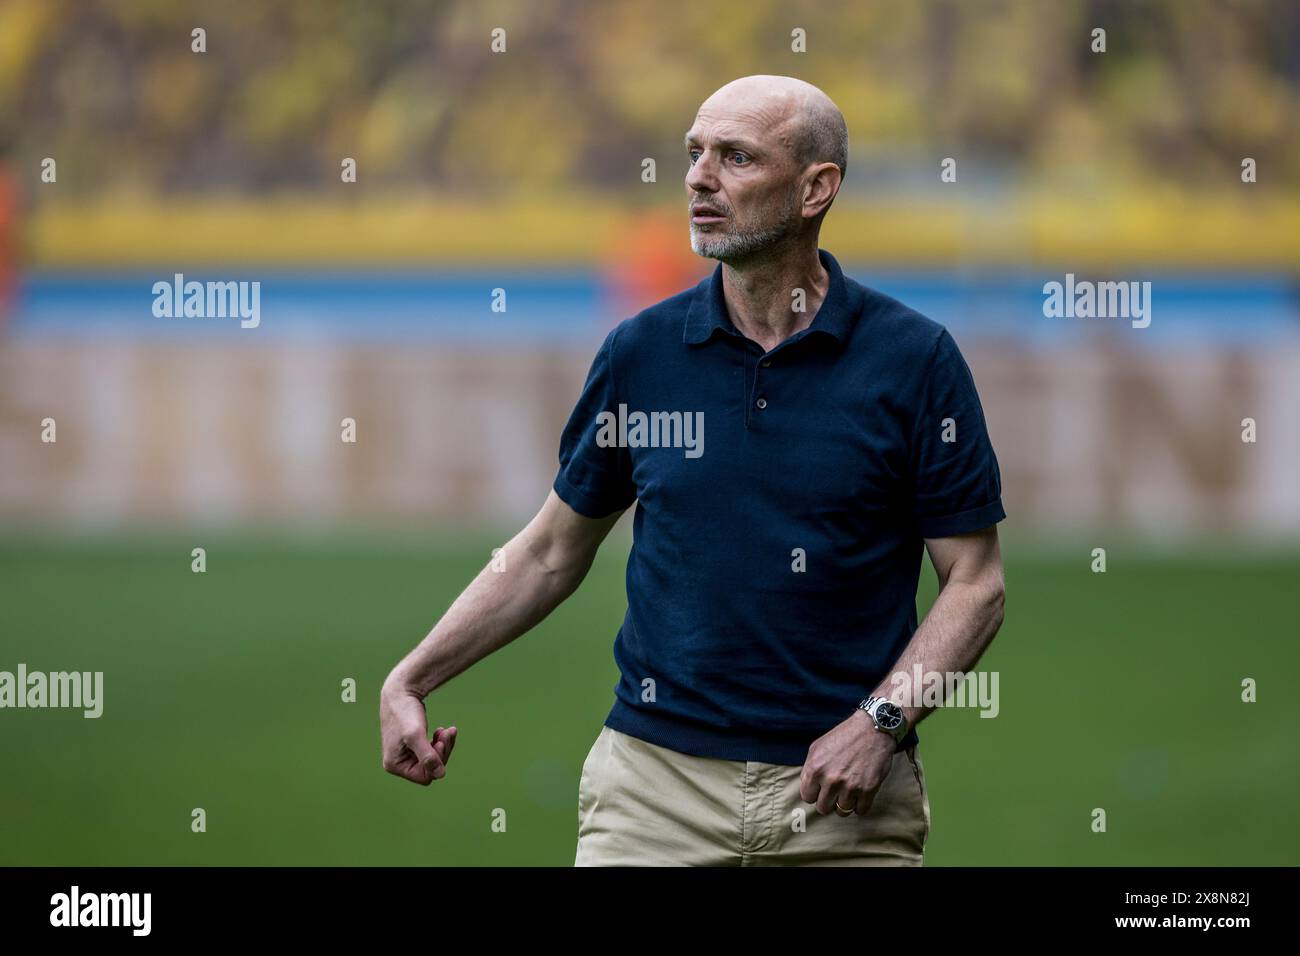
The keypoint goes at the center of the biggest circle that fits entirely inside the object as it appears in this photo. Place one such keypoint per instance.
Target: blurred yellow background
(534, 153)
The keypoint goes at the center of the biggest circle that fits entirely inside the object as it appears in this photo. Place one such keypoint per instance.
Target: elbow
(559, 563)
(996, 600)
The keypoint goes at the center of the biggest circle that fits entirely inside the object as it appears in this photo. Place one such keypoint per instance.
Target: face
(743, 184)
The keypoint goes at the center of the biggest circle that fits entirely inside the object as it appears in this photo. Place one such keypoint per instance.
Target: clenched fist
(404, 737)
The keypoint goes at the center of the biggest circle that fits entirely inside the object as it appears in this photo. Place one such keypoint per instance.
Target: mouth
(704, 215)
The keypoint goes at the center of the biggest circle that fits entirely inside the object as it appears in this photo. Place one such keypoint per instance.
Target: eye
(743, 158)
(693, 154)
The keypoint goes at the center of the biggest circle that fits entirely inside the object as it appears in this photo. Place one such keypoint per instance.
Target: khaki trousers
(640, 804)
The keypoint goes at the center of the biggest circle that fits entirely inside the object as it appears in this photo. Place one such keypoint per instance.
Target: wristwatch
(887, 716)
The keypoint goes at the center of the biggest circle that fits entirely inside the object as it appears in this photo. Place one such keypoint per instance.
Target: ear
(822, 186)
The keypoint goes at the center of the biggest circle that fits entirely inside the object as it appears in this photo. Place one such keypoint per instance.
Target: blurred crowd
(584, 90)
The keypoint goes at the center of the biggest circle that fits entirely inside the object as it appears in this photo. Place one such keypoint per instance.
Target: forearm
(961, 624)
(535, 576)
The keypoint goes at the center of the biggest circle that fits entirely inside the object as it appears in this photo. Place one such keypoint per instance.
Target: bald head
(767, 157)
(800, 115)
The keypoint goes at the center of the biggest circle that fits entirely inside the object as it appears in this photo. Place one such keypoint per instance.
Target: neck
(759, 292)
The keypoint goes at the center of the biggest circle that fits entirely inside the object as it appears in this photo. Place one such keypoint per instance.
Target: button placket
(759, 400)
(753, 398)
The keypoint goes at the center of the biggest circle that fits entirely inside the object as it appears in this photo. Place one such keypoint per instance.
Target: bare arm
(847, 765)
(539, 568)
(962, 621)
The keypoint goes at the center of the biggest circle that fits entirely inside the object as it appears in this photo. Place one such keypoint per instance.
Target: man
(772, 578)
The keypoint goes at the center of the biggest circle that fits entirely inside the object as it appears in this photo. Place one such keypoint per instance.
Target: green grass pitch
(222, 691)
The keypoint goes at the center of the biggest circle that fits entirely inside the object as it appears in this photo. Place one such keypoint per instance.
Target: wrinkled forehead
(759, 120)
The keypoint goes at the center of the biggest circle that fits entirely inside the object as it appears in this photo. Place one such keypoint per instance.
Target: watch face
(889, 715)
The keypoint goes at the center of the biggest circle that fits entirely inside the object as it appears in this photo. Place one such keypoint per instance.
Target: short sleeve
(595, 477)
(957, 485)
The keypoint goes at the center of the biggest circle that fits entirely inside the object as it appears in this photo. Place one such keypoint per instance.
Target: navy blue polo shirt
(782, 502)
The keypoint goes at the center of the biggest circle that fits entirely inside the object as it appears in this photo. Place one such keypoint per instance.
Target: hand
(404, 737)
(846, 766)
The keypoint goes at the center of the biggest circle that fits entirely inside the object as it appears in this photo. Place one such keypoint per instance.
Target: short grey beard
(738, 246)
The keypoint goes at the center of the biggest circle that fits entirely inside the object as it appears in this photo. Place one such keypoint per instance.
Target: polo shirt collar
(708, 311)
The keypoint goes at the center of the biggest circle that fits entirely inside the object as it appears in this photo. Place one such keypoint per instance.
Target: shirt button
(761, 403)
(766, 363)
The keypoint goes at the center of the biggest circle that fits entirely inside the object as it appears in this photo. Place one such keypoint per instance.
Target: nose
(702, 177)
